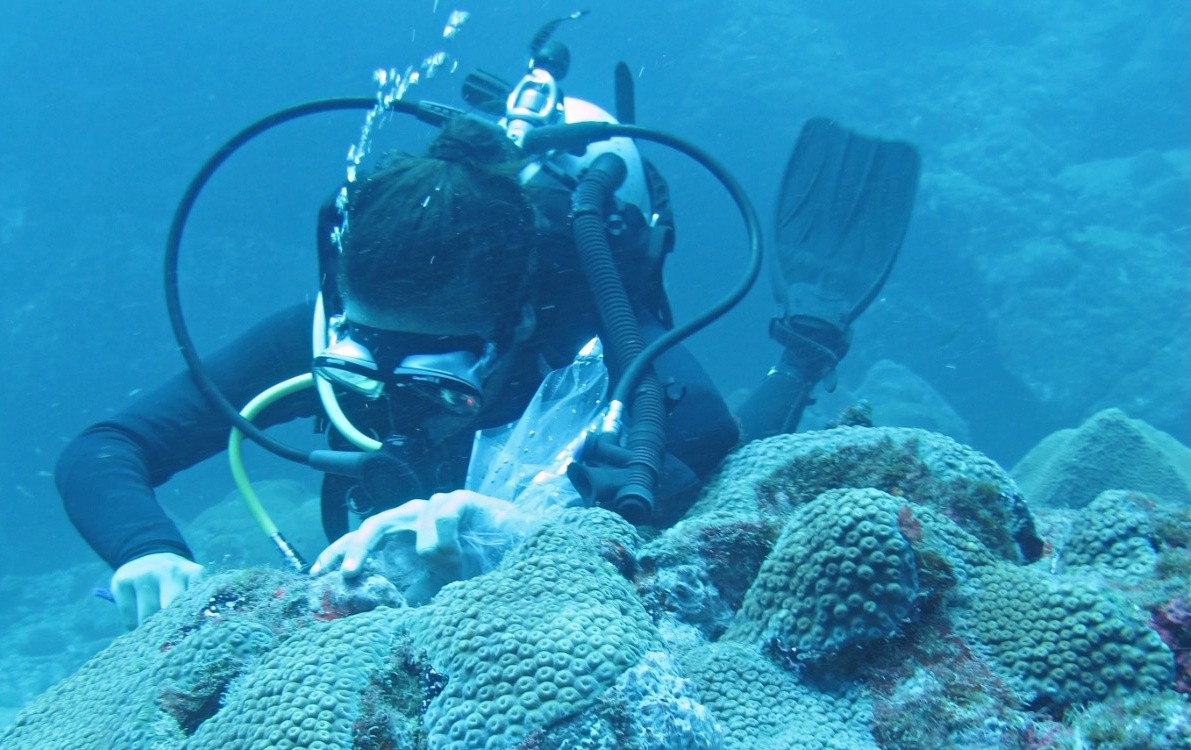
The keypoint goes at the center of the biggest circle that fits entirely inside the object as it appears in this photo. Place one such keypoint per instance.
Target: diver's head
(434, 274)
(449, 235)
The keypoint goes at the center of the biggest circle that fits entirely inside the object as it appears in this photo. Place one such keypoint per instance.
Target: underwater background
(1045, 277)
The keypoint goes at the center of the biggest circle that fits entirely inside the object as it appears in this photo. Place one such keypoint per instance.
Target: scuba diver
(452, 284)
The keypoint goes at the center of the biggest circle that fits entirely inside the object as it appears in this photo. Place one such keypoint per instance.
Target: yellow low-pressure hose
(326, 392)
(235, 457)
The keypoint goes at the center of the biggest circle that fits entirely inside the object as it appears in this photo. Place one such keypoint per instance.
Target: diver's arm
(107, 474)
(103, 478)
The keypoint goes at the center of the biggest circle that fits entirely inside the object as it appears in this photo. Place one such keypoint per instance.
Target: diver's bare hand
(148, 584)
(348, 552)
(435, 523)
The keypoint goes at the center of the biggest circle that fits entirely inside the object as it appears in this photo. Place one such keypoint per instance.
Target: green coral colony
(825, 588)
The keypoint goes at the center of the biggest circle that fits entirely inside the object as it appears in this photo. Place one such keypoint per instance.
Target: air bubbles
(432, 63)
(391, 86)
(455, 21)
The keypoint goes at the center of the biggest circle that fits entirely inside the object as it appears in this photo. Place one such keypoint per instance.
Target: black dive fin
(486, 92)
(842, 213)
(626, 102)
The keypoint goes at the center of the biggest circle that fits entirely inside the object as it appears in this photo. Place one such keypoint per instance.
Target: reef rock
(901, 398)
(1110, 451)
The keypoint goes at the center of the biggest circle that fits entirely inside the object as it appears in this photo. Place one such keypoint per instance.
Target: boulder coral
(1109, 451)
(770, 478)
(841, 574)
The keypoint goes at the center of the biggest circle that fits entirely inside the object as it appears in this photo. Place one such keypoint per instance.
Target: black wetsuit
(107, 474)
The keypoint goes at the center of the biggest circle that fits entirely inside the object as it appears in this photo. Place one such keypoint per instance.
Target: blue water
(1045, 275)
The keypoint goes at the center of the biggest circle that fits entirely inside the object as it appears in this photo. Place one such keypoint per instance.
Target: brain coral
(774, 476)
(840, 574)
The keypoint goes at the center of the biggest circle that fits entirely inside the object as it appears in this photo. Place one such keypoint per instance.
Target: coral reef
(1134, 723)
(341, 684)
(851, 589)
(137, 692)
(1116, 535)
(536, 641)
(1139, 548)
(766, 707)
(1172, 622)
(651, 707)
(769, 478)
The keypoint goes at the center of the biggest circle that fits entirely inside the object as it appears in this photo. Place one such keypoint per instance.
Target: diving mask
(448, 371)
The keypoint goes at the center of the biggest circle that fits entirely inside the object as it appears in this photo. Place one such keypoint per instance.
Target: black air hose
(589, 203)
(646, 437)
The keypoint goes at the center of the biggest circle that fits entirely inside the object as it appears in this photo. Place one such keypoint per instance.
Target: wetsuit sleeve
(107, 474)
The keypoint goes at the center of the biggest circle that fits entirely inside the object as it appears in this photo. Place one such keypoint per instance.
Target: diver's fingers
(124, 592)
(438, 524)
(171, 588)
(145, 584)
(148, 597)
(330, 557)
(374, 529)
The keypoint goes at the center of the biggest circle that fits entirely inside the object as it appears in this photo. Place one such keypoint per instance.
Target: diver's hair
(457, 217)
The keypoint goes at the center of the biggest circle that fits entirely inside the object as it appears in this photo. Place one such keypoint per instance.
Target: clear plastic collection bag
(525, 462)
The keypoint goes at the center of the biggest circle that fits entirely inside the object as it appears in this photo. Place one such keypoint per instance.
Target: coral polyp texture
(841, 574)
(855, 588)
(535, 642)
(1117, 535)
(763, 706)
(1061, 643)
